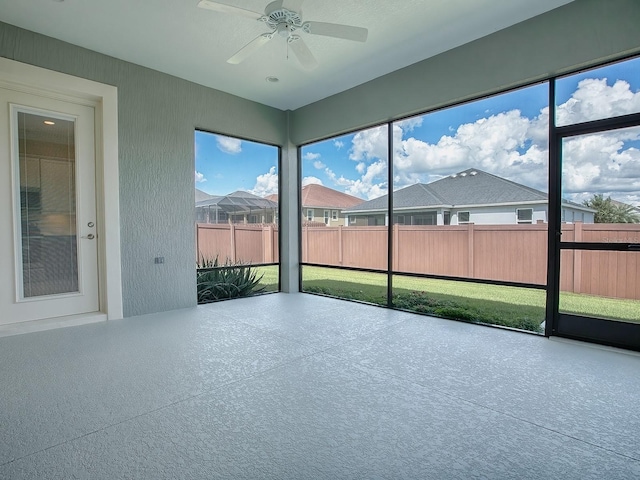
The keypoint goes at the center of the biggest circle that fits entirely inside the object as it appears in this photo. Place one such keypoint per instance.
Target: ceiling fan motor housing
(281, 19)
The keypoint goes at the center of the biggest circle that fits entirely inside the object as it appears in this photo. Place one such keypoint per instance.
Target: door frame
(573, 326)
(104, 99)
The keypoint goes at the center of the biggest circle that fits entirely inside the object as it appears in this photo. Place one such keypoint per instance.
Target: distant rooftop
(467, 188)
(319, 196)
(314, 195)
(200, 195)
(237, 201)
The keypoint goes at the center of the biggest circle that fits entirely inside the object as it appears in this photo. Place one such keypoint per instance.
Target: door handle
(91, 236)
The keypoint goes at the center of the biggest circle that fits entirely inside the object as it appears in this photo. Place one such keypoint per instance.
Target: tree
(610, 211)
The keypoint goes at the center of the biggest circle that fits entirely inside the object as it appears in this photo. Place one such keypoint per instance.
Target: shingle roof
(469, 187)
(237, 201)
(314, 195)
(200, 195)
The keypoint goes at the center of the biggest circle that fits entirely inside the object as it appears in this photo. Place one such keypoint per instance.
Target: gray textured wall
(581, 33)
(157, 115)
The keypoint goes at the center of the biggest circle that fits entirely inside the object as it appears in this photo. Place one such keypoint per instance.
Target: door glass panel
(597, 94)
(47, 183)
(600, 284)
(601, 187)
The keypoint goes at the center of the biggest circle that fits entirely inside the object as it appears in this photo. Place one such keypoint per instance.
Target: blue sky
(505, 135)
(225, 164)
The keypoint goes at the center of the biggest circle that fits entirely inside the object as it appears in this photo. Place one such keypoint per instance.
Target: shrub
(220, 282)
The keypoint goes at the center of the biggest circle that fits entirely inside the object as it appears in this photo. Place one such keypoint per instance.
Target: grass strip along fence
(515, 307)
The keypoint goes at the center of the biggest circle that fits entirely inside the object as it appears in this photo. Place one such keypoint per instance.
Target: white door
(48, 249)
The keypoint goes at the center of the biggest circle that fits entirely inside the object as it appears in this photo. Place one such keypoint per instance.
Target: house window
(564, 215)
(524, 215)
(253, 218)
(334, 215)
(310, 215)
(447, 218)
(375, 220)
(464, 217)
(327, 214)
(399, 220)
(428, 218)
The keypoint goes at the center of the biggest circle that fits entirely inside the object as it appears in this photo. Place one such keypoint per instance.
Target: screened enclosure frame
(235, 205)
(555, 324)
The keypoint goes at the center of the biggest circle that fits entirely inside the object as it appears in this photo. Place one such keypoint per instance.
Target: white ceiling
(177, 37)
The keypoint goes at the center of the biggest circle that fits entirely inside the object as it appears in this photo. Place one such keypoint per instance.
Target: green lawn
(602, 307)
(269, 277)
(516, 307)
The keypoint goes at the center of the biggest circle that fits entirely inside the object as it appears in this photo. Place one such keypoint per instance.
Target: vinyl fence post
(471, 249)
(232, 237)
(340, 244)
(577, 259)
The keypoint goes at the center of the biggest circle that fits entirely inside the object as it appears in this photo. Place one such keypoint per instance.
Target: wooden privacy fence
(605, 273)
(237, 243)
(511, 253)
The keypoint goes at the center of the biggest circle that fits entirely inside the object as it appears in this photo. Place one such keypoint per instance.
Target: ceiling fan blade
(336, 30)
(292, 5)
(249, 48)
(224, 8)
(302, 52)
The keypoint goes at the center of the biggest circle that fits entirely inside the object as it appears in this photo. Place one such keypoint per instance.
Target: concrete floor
(299, 386)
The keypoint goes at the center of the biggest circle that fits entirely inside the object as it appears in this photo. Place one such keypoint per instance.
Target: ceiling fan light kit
(284, 17)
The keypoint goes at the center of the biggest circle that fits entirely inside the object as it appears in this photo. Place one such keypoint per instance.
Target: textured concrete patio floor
(304, 387)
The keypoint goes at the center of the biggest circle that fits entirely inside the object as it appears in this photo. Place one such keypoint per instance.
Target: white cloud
(594, 99)
(511, 145)
(311, 156)
(369, 144)
(600, 163)
(319, 165)
(266, 184)
(495, 144)
(311, 180)
(338, 144)
(200, 177)
(410, 123)
(229, 145)
(371, 185)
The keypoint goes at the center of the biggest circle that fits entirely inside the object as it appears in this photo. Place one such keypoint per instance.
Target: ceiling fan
(284, 17)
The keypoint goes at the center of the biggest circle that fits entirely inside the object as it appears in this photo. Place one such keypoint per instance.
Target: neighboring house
(201, 196)
(470, 196)
(236, 207)
(322, 204)
(326, 205)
